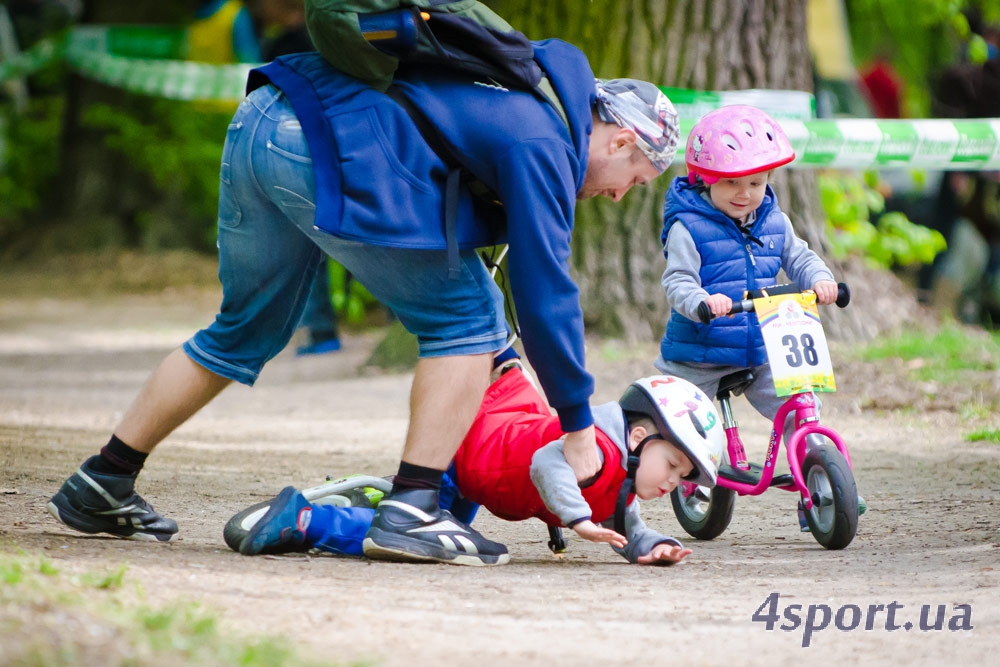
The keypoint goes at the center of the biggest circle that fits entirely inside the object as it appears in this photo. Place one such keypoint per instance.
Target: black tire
(704, 520)
(833, 519)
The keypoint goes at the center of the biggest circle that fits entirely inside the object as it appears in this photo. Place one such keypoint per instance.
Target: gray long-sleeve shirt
(681, 280)
(557, 485)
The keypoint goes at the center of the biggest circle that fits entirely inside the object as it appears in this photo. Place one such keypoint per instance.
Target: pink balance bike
(820, 473)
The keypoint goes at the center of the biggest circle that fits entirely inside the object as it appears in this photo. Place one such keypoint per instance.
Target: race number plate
(796, 344)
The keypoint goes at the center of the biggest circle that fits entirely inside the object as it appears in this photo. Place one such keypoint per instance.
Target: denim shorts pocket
(289, 141)
(229, 209)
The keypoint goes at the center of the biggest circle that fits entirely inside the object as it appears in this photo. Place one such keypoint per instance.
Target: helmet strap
(629, 482)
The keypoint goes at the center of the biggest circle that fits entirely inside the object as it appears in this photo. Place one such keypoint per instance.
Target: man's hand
(826, 292)
(664, 554)
(590, 531)
(580, 450)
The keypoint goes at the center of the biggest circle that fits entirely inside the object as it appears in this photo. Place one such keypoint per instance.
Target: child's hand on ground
(826, 292)
(590, 531)
(665, 554)
(719, 304)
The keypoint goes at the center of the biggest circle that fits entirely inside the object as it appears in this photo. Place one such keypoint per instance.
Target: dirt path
(930, 537)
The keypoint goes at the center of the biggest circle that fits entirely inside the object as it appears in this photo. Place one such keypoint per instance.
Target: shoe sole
(393, 547)
(84, 524)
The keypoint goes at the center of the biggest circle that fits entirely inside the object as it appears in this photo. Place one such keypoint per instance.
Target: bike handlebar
(746, 305)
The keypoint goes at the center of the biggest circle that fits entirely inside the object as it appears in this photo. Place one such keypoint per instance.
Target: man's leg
(257, 247)
(444, 400)
(99, 498)
(175, 391)
(408, 523)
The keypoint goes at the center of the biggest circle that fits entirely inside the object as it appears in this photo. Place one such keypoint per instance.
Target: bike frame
(806, 422)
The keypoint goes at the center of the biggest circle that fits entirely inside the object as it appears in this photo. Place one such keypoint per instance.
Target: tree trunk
(697, 44)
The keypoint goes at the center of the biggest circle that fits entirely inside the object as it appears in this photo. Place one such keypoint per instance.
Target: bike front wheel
(704, 519)
(833, 518)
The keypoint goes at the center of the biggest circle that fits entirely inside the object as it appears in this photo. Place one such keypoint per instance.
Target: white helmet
(683, 415)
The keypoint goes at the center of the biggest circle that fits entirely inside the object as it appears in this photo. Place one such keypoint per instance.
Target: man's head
(675, 429)
(634, 139)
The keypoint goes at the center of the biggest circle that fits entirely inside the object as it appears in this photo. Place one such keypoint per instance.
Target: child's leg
(451, 498)
(703, 376)
(763, 398)
(338, 530)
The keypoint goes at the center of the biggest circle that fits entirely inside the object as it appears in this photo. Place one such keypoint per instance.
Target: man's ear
(624, 139)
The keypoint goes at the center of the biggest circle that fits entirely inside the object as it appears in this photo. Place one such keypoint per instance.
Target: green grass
(944, 356)
(49, 618)
(984, 435)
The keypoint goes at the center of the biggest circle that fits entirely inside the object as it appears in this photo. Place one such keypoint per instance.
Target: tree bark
(714, 45)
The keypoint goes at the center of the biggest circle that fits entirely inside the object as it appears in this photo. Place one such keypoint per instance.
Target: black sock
(412, 476)
(117, 458)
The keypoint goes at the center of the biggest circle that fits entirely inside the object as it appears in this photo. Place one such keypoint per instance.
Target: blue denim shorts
(269, 250)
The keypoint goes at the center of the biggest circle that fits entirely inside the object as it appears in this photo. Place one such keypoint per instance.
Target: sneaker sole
(84, 524)
(393, 547)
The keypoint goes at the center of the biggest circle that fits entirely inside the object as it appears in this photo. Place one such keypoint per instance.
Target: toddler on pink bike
(724, 235)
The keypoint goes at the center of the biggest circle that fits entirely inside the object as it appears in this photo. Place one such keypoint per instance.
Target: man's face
(615, 165)
(737, 197)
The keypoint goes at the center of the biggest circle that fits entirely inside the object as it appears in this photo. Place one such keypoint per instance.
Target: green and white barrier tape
(172, 79)
(145, 59)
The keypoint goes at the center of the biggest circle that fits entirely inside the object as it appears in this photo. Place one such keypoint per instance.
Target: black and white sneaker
(409, 526)
(93, 502)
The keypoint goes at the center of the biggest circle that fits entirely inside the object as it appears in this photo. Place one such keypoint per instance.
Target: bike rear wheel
(833, 518)
(704, 519)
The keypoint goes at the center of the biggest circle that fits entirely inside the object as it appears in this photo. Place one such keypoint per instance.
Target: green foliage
(943, 356)
(984, 435)
(42, 611)
(849, 202)
(921, 37)
(350, 298)
(29, 160)
(178, 146)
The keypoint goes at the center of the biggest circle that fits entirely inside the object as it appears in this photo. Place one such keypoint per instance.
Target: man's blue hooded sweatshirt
(379, 182)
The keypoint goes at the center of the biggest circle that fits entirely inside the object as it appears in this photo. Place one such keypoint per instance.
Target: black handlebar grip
(704, 313)
(843, 295)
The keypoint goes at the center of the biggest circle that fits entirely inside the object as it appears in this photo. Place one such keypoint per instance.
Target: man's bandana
(643, 108)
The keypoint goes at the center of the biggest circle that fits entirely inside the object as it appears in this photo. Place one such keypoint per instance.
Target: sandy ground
(69, 366)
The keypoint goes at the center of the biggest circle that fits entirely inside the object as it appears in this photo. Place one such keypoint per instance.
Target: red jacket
(494, 461)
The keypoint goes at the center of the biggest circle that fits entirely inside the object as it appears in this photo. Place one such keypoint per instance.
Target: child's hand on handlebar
(720, 304)
(826, 292)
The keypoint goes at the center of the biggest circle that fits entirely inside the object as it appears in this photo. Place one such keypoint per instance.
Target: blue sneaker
(93, 502)
(283, 528)
(322, 347)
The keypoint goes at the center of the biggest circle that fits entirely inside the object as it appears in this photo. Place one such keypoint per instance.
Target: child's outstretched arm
(590, 531)
(646, 546)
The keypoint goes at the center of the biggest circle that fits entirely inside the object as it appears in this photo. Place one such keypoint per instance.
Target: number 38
(801, 349)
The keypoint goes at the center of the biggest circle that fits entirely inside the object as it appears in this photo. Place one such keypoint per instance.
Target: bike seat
(734, 383)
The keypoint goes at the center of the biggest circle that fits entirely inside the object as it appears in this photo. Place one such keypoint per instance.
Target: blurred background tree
(90, 166)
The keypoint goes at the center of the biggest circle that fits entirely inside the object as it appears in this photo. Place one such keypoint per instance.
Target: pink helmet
(735, 141)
